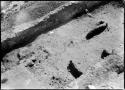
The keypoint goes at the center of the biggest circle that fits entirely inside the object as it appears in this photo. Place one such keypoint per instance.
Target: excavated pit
(81, 52)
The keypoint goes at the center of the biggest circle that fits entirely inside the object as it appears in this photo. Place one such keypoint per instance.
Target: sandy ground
(46, 62)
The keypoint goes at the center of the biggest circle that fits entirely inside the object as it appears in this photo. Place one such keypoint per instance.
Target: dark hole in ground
(18, 56)
(96, 31)
(73, 70)
(4, 80)
(30, 65)
(100, 22)
(119, 69)
(34, 60)
(71, 42)
(104, 54)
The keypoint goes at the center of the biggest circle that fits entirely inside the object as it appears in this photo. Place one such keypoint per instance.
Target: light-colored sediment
(50, 54)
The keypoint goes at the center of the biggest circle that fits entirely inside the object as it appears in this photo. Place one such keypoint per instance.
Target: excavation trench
(60, 17)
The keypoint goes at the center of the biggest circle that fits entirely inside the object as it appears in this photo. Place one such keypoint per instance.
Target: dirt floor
(67, 57)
